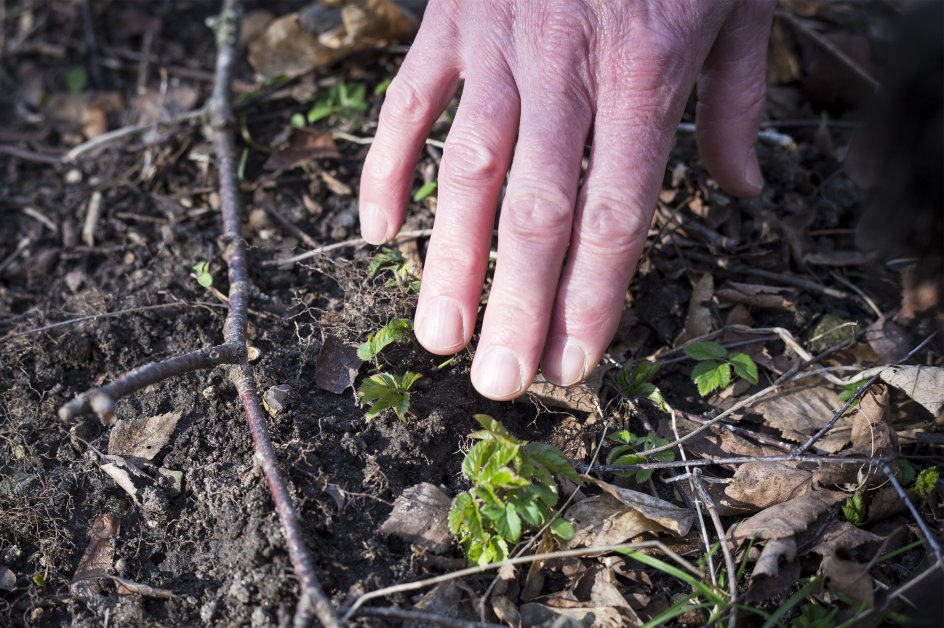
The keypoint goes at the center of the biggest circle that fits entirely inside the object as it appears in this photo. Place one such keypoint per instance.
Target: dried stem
(234, 349)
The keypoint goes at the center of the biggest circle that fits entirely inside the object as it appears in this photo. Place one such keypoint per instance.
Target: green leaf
(382, 87)
(457, 512)
(319, 112)
(202, 271)
(908, 472)
(425, 190)
(39, 579)
(849, 391)
(628, 459)
(705, 350)
(562, 528)
(710, 376)
(297, 120)
(476, 458)
(624, 437)
(383, 391)
(552, 459)
(926, 482)
(633, 381)
(854, 509)
(509, 524)
(744, 367)
(395, 330)
(77, 79)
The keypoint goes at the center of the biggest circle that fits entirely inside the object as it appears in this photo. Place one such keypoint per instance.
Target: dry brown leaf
(337, 365)
(762, 485)
(130, 587)
(581, 397)
(534, 614)
(776, 570)
(304, 146)
(289, 47)
(844, 534)
(97, 560)
(622, 514)
(801, 410)
(774, 553)
(443, 599)
(848, 578)
(139, 440)
(924, 384)
(699, 321)
(420, 516)
(787, 519)
(757, 295)
(122, 478)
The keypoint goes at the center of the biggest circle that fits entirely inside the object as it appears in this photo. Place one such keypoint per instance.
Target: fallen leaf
(699, 321)
(762, 485)
(787, 519)
(96, 562)
(776, 570)
(420, 516)
(337, 365)
(774, 553)
(534, 614)
(756, 295)
(848, 578)
(304, 146)
(800, 411)
(443, 599)
(924, 384)
(581, 397)
(334, 184)
(844, 534)
(7, 579)
(889, 340)
(139, 440)
(129, 587)
(620, 514)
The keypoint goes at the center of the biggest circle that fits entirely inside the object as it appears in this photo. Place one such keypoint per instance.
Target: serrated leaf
(744, 366)
(562, 528)
(710, 375)
(705, 350)
(628, 459)
(491, 424)
(476, 458)
(854, 509)
(509, 524)
(457, 511)
(926, 482)
(395, 330)
(552, 459)
(624, 437)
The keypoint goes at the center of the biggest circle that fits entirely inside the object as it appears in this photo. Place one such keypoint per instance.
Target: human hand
(556, 74)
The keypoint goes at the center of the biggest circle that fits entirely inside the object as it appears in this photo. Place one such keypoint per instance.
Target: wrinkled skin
(543, 78)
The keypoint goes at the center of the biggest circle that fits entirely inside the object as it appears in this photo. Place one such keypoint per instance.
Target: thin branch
(722, 540)
(353, 243)
(706, 462)
(420, 616)
(473, 571)
(899, 489)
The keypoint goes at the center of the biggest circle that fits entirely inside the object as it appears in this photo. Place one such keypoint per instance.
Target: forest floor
(97, 257)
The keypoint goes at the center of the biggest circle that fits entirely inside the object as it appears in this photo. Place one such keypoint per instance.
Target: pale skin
(543, 79)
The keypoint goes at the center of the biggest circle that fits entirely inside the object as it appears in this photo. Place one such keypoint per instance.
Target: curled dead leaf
(847, 578)
(787, 519)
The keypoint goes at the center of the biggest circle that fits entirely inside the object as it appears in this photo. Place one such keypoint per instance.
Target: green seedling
(637, 382)
(926, 481)
(713, 370)
(77, 79)
(392, 261)
(383, 390)
(627, 451)
(513, 489)
(202, 272)
(382, 86)
(342, 100)
(397, 329)
(854, 510)
(425, 191)
(849, 391)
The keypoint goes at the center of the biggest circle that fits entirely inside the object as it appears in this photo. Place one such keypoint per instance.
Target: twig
(828, 46)
(928, 536)
(117, 134)
(420, 616)
(356, 242)
(473, 571)
(707, 462)
(775, 138)
(722, 540)
(233, 351)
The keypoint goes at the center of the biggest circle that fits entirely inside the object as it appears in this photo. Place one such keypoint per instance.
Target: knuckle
(614, 227)
(470, 161)
(539, 216)
(406, 103)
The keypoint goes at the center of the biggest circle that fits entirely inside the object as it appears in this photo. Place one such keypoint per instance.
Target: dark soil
(217, 545)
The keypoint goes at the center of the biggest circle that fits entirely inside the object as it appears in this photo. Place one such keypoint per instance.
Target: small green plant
(854, 510)
(397, 329)
(77, 79)
(425, 191)
(383, 390)
(343, 100)
(382, 86)
(926, 481)
(713, 370)
(849, 391)
(627, 449)
(513, 488)
(392, 261)
(202, 272)
(636, 381)
(39, 579)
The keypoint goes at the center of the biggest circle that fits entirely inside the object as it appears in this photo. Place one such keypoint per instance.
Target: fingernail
(497, 374)
(566, 363)
(440, 327)
(752, 174)
(374, 226)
